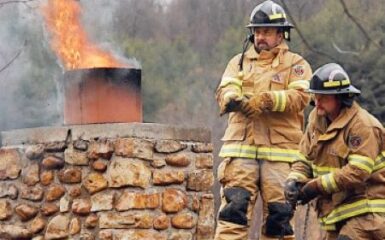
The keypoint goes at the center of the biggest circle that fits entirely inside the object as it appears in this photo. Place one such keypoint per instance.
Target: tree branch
(307, 44)
(2, 3)
(360, 27)
(339, 50)
(13, 59)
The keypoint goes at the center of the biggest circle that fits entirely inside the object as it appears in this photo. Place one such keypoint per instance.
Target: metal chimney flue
(101, 95)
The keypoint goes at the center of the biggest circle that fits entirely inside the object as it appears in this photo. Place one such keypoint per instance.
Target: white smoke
(28, 86)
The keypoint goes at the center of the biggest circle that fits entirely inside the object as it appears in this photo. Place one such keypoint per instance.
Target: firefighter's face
(266, 38)
(327, 105)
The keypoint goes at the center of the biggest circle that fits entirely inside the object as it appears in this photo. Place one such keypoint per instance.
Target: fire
(70, 41)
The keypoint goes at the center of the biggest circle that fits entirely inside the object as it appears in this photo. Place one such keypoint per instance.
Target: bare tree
(360, 27)
(9, 63)
(2, 3)
(303, 38)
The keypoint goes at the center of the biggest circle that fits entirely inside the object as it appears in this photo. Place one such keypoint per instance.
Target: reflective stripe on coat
(272, 135)
(348, 160)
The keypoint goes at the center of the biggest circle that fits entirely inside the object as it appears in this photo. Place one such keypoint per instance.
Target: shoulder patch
(299, 70)
(354, 141)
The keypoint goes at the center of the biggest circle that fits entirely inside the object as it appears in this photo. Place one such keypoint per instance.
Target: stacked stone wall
(108, 181)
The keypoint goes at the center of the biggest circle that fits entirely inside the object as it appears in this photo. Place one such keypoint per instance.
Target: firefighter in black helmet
(270, 14)
(342, 163)
(332, 79)
(263, 90)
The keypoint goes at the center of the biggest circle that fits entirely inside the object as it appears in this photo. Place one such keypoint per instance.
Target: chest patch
(299, 70)
(354, 141)
(278, 78)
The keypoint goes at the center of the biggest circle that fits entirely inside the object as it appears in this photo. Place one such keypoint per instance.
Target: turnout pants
(242, 179)
(369, 226)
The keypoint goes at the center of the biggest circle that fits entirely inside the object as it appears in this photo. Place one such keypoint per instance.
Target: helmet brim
(350, 89)
(277, 25)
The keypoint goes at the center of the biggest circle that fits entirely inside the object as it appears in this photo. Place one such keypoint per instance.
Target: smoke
(20, 34)
(98, 19)
(29, 94)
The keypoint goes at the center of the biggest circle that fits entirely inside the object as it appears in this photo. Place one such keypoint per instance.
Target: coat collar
(340, 122)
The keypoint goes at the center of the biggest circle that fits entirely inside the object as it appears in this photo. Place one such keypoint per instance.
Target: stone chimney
(107, 181)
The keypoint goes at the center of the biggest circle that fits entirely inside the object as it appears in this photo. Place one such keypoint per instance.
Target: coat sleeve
(230, 82)
(301, 169)
(294, 98)
(363, 142)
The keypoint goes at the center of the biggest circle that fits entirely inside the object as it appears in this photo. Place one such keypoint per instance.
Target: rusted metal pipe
(101, 95)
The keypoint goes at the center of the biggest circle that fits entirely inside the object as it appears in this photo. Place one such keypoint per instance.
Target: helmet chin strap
(249, 38)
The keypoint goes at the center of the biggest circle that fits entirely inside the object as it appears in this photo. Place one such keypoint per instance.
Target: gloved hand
(247, 110)
(291, 189)
(308, 192)
(262, 102)
(231, 101)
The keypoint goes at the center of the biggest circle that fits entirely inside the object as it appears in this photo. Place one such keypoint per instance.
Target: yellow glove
(262, 102)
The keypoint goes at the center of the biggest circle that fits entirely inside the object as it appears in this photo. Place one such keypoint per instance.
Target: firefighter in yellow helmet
(262, 89)
(342, 166)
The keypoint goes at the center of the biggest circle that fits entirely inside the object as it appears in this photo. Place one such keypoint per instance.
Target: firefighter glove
(262, 102)
(292, 188)
(248, 110)
(231, 100)
(309, 191)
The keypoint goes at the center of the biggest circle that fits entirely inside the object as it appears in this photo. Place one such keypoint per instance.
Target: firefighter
(262, 89)
(342, 165)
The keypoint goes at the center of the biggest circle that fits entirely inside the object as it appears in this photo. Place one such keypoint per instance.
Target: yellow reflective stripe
(231, 94)
(306, 162)
(229, 80)
(300, 84)
(302, 157)
(353, 209)
(362, 162)
(345, 82)
(277, 154)
(283, 102)
(329, 183)
(337, 83)
(329, 227)
(380, 162)
(279, 101)
(319, 171)
(276, 100)
(238, 150)
(266, 153)
(277, 16)
(297, 176)
(234, 89)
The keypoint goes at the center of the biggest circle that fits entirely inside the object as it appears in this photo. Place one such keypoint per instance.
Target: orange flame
(70, 41)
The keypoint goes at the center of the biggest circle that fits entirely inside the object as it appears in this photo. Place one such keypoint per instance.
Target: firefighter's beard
(262, 45)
